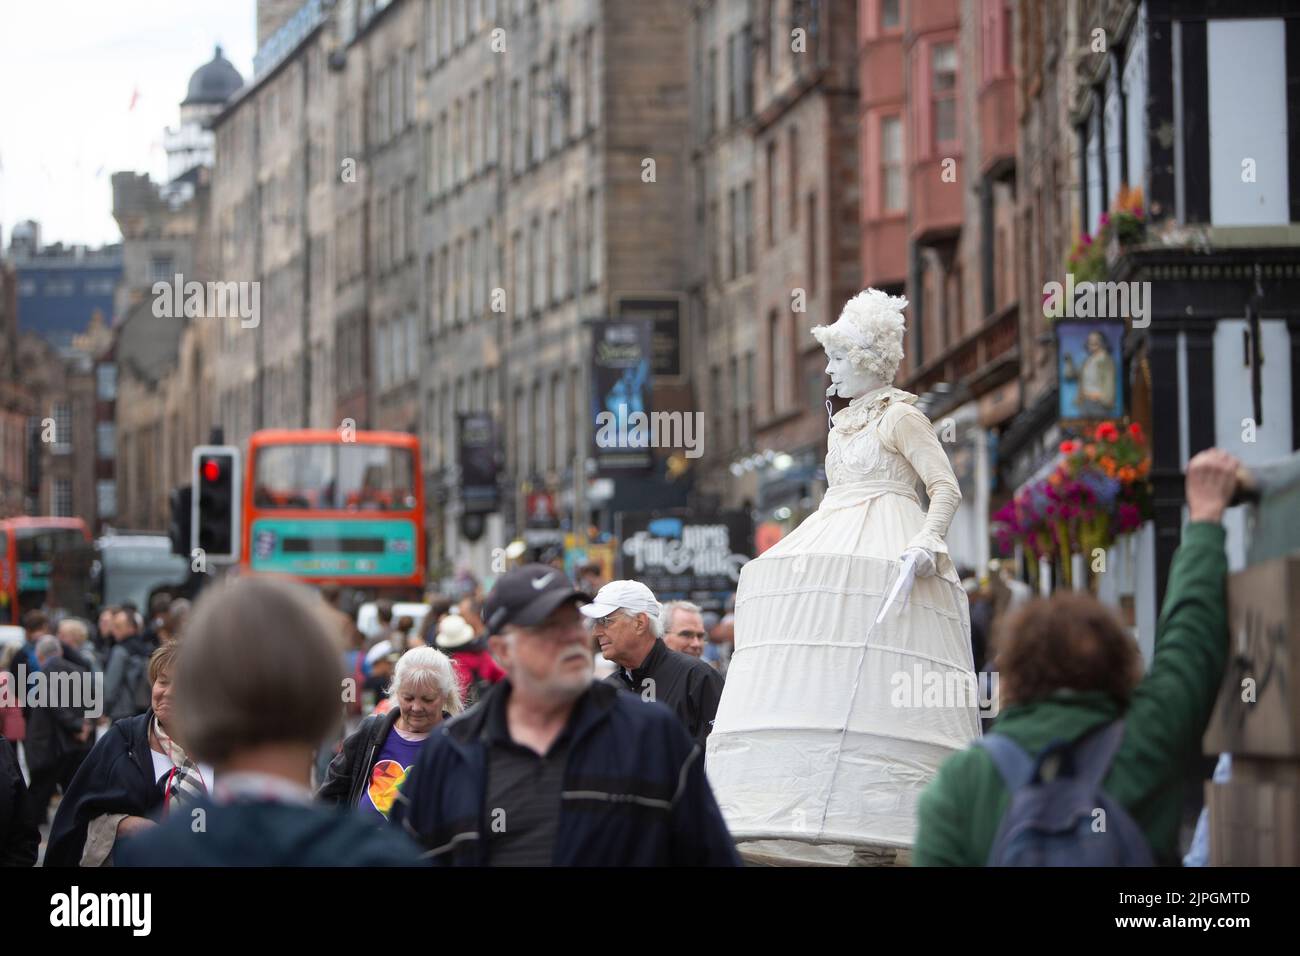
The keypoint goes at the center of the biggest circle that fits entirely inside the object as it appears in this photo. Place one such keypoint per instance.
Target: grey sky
(69, 69)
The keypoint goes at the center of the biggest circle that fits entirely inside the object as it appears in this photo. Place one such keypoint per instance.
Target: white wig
(870, 331)
(428, 669)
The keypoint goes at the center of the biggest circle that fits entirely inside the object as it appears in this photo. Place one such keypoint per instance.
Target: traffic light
(215, 508)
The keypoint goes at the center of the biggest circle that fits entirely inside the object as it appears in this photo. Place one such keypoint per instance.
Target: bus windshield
(345, 477)
(37, 548)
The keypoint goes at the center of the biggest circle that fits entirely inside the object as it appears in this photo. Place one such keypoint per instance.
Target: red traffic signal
(211, 470)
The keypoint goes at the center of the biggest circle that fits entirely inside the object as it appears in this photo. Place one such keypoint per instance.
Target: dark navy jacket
(116, 777)
(634, 789)
(266, 833)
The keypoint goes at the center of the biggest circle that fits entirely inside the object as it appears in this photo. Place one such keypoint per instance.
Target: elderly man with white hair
(629, 625)
(684, 628)
(58, 734)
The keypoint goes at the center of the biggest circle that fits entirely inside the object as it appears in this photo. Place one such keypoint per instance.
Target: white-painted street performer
(815, 752)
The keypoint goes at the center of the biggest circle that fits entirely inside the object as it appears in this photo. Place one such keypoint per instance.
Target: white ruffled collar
(869, 406)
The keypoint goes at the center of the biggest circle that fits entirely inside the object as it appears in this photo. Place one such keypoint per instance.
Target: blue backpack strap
(1095, 752)
(1013, 763)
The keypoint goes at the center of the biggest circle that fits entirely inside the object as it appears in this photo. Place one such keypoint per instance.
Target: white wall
(1135, 91)
(1096, 201)
(1130, 570)
(1247, 101)
(1113, 139)
(1146, 613)
(1233, 404)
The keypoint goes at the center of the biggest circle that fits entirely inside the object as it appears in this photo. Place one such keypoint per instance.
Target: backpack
(1063, 818)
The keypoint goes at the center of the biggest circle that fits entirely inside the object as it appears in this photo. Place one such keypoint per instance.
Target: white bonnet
(870, 330)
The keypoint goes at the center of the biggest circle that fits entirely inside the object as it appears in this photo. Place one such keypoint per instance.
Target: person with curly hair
(1069, 671)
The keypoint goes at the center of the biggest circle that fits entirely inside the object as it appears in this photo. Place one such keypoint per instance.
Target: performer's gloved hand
(925, 565)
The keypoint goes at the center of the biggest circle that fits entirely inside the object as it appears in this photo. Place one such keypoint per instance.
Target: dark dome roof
(213, 82)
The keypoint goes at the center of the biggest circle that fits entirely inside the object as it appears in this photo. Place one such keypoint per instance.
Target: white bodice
(862, 456)
(856, 449)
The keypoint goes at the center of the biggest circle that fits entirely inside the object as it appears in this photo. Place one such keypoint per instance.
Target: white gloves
(925, 566)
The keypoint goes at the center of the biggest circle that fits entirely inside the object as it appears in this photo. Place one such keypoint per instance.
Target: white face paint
(847, 380)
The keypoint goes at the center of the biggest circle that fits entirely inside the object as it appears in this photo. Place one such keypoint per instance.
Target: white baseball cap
(628, 595)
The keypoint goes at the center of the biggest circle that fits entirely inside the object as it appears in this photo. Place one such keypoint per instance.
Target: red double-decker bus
(28, 547)
(324, 508)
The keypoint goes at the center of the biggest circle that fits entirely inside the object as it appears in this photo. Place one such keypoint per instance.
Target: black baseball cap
(526, 596)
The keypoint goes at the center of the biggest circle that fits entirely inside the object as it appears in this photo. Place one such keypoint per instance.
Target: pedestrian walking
(1070, 672)
(259, 725)
(375, 758)
(20, 838)
(684, 630)
(13, 726)
(127, 686)
(139, 771)
(36, 625)
(74, 635)
(475, 669)
(155, 628)
(552, 768)
(384, 614)
(439, 608)
(628, 623)
(58, 733)
(103, 636)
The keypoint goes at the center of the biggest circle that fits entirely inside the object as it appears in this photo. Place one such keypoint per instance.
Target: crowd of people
(547, 722)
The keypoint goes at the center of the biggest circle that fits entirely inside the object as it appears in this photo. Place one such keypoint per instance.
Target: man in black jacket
(20, 839)
(58, 734)
(629, 626)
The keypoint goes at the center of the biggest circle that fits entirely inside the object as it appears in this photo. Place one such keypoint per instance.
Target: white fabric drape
(824, 733)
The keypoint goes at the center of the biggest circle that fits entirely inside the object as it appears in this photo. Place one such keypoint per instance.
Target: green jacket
(961, 809)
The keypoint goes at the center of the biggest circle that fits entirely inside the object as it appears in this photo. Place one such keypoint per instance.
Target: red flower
(1069, 447)
(1107, 431)
(1135, 431)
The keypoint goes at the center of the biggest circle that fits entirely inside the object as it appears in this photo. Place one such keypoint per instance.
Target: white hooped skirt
(828, 730)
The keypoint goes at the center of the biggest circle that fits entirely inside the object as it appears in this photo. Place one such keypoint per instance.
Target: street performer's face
(848, 380)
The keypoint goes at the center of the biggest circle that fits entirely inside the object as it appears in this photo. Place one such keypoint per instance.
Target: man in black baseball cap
(551, 768)
(526, 596)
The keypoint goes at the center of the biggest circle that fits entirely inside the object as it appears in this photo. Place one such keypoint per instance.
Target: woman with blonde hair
(136, 774)
(374, 760)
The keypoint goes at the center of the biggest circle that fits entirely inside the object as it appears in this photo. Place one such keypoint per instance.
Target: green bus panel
(360, 548)
(33, 575)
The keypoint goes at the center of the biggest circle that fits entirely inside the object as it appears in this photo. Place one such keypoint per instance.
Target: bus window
(352, 477)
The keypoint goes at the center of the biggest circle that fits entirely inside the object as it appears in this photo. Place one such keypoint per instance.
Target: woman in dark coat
(19, 837)
(374, 759)
(134, 773)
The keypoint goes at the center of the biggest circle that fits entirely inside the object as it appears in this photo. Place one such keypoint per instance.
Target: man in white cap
(628, 624)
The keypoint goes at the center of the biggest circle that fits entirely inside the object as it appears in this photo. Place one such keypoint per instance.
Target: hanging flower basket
(1097, 491)
(1092, 256)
